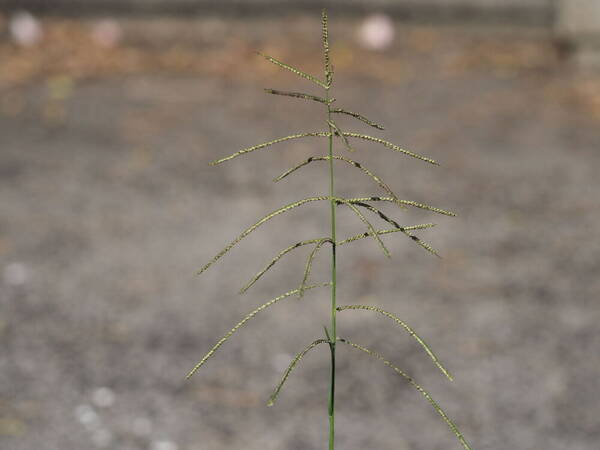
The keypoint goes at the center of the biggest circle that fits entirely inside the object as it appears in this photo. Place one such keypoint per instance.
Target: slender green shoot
(357, 204)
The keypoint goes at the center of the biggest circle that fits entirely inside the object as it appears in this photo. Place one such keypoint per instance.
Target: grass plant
(362, 207)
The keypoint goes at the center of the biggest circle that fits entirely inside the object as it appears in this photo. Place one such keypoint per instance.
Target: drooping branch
(309, 263)
(268, 144)
(403, 203)
(425, 245)
(294, 70)
(391, 146)
(382, 232)
(291, 367)
(414, 384)
(256, 225)
(372, 230)
(339, 133)
(357, 116)
(287, 250)
(243, 321)
(356, 164)
(280, 255)
(403, 324)
(300, 95)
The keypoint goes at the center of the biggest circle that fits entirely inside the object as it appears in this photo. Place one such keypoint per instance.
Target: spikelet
(294, 70)
(291, 367)
(406, 327)
(266, 218)
(357, 116)
(391, 146)
(414, 384)
(403, 203)
(268, 144)
(301, 95)
(243, 321)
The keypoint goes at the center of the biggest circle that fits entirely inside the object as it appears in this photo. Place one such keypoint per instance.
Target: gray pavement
(109, 206)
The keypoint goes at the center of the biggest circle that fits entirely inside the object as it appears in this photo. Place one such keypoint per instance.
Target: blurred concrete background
(108, 206)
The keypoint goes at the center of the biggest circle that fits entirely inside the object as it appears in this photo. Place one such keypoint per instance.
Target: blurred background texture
(109, 114)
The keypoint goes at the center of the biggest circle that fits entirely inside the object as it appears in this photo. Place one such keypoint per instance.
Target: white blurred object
(103, 397)
(376, 32)
(25, 30)
(107, 33)
(16, 274)
(164, 445)
(86, 415)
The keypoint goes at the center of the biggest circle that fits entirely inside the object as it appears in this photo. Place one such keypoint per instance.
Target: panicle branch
(382, 232)
(403, 324)
(241, 323)
(356, 164)
(339, 133)
(268, 144)
(301, 95)
(309, 263)
(414, 384)
(394, 223)
(246, 232)
(402, 203)
(294, 70)
(280, 255)
(291, 367)
(372, 230)
(357, 116)
(328, 67)
(391, 146)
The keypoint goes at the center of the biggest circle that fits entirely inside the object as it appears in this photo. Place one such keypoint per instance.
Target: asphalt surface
(108, 206)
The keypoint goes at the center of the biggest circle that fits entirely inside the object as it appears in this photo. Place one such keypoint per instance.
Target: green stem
(333, 336)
